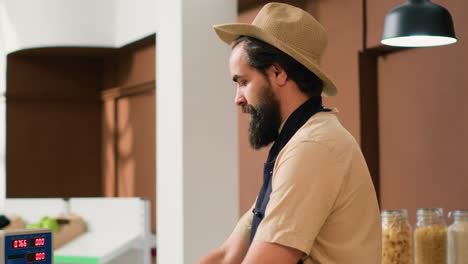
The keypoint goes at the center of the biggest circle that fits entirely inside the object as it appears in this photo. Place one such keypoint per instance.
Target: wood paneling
(423, 146)
(82, 122)
(136, 146)
(368, 82)
(343, 22)
(129, 123)
(131, 65)
(53, 126)
(245, 5)
(421, 129)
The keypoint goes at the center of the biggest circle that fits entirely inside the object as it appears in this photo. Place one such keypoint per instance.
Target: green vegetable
(31, 226)
(50, 223)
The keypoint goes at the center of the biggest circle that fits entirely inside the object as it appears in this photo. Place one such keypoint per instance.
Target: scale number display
(36, 256)
(38, 242)
(19, 243)
(24, 243)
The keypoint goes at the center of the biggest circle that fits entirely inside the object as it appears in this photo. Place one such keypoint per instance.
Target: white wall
(197, 131)
(48, 23)
(89, 23)
(134, 20)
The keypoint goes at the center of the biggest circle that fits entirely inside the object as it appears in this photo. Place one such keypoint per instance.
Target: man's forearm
(232, 251)
(216, 257)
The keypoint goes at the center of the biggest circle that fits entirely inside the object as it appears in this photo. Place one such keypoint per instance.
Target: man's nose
(240, 98)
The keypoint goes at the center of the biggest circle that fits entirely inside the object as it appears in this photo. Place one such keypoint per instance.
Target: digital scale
(118, 231)
(26, 246)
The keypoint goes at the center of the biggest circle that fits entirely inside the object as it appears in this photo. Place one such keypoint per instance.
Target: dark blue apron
(295, 121)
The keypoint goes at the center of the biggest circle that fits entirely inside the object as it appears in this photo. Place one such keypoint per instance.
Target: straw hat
(290, 29)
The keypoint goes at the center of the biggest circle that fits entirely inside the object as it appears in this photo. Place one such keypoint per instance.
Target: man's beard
(265, 119)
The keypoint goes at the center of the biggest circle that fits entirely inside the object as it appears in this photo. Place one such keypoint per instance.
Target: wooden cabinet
(81, 122)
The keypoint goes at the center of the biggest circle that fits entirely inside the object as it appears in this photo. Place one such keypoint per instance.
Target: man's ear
(278, 74)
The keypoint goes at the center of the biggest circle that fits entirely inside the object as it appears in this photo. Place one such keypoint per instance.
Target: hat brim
(230, 32)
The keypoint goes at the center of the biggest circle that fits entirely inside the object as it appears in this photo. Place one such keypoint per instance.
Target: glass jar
(430, 237)
(458, 238)
(396, 237)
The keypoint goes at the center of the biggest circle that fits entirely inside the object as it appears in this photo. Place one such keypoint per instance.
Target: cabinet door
(136, 145)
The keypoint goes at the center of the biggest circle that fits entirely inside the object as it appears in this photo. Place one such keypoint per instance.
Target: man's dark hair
(261, 55)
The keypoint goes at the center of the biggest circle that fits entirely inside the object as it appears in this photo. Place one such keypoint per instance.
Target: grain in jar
(430, 237)
(458, 238)
(396, 237)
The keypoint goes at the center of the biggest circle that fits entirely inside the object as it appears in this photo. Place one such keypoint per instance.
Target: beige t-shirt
(323, 202)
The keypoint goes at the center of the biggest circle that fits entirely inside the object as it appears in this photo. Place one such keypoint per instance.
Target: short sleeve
(244, 225)
(305, 185)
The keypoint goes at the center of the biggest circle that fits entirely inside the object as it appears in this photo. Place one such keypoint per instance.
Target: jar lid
(458, 213)
(430, 212)
(397, 214)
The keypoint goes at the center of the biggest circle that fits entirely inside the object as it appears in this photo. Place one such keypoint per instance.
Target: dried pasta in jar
(430, 237)
(396, 237)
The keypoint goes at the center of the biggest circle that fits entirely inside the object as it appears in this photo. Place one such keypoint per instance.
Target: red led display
(36, 256)
(38, 242)
(40, 256)
(19, 243)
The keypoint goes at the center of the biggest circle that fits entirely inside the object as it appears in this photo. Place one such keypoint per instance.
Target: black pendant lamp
(418, 23)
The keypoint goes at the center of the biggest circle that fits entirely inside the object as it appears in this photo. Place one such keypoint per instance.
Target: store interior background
(97, 137)
(421, 106)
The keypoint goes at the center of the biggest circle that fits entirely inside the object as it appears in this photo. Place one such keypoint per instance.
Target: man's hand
(270, 253)
(232, 251)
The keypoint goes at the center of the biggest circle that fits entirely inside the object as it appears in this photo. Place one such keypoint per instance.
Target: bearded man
(317, 203)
